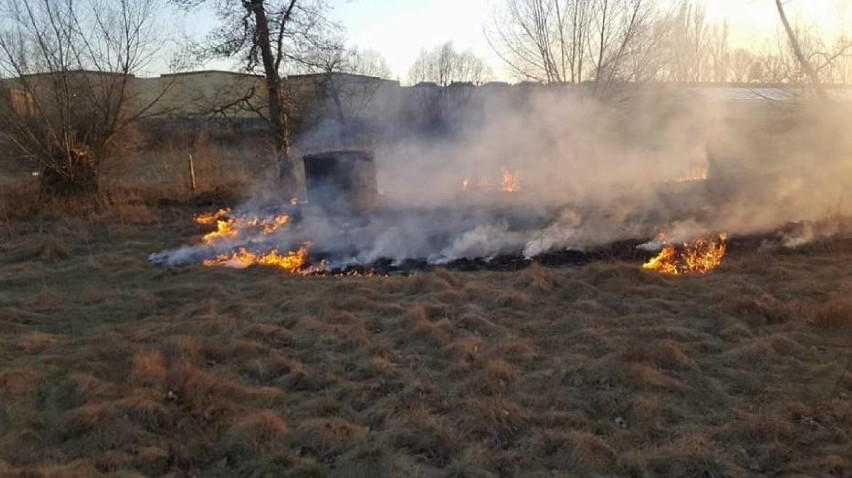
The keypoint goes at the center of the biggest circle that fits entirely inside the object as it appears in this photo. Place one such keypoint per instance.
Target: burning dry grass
(112, 366)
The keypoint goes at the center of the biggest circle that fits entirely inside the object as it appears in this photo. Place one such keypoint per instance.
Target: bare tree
(571, 41)
(720, 53)
(803, 61)
(267, 35)
(688, 43)
(444, 65)
(335, 91)
(543, 40)
(801, 54)
(742, 66)
(349, 77)
(837, 65)
(444, 80)
(68, 92)
(617, 32)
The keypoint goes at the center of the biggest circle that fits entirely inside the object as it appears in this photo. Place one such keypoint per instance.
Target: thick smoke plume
(681, 162)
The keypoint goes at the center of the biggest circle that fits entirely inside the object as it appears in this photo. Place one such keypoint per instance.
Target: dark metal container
(342, 182)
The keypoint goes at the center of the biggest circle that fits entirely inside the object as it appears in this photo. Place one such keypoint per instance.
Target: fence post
(191, 173)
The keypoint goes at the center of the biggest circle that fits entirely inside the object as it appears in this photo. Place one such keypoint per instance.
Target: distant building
(240, 98)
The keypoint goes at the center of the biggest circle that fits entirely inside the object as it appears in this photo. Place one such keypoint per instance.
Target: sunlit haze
(399, 30)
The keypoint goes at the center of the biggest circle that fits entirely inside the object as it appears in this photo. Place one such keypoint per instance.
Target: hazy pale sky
(399, 29)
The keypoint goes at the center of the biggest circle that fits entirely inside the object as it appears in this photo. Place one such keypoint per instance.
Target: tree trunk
(69, 173)
(278, 121)
(800, 55)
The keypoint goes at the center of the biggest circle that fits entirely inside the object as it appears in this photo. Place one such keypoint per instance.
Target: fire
(510, 182)
(211, 217)
(664, 263)
(292, 261)
(268, 225)
(277, 223)
(698, 257)
(232, 226)
(248, 229)
(697, 174)
(224, 228)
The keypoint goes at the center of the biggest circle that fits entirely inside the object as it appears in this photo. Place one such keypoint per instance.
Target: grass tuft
(834, 314)
(326, 437)
(148, 369)
(15, 382)
(665, 354)
(591, 451)
(36, 341)
(498, 375)
(259, 429)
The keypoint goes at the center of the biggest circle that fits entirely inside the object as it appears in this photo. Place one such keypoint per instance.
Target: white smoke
(590, 173)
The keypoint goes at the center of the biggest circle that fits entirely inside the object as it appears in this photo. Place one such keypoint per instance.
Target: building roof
(207, 72)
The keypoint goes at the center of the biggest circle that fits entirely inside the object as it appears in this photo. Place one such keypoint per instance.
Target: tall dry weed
(834, 314)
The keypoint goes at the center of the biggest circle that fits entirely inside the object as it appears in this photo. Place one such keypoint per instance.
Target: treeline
(603, 41)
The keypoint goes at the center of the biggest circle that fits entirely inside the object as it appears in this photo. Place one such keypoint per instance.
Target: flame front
(510, 182)
(229, 227)
(224, 228)
(292, 261)
(211, 217)
(698, 257)
(695, 175)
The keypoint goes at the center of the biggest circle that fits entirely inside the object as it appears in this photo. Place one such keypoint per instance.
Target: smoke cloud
(682, 162)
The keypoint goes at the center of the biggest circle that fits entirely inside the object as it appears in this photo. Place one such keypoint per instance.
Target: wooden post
(191, 173)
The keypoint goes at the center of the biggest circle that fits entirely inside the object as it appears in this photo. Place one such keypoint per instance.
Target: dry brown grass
(17, 381)
(113, 367)
(126, 213)
(148, 369)
(665, 354)
(36, 341)
(834, 314)
(591, 451)
(326, 437)
(259, 429)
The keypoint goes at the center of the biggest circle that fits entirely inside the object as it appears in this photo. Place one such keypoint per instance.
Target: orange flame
(698, 174)
(211, 217)
(224, 228)
(292, 261)
(698, 257)
(510, 182)
(229, 227)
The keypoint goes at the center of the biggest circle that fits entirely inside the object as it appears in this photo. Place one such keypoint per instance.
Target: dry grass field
(110, 366)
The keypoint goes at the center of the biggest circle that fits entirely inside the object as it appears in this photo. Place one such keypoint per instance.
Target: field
(110, 366)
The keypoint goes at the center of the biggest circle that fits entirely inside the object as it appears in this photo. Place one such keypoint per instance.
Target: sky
(400, 29)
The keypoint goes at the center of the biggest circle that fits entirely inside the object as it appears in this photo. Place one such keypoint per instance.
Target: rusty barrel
(342, 182)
